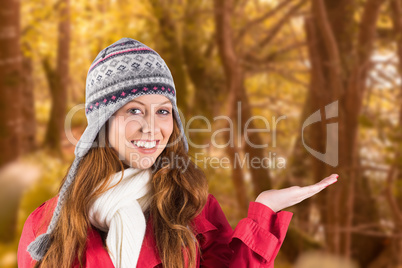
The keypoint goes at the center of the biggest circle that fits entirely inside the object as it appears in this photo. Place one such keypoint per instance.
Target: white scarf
(119, 212)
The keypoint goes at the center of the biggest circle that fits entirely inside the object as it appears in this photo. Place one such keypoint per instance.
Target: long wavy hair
(178, 195)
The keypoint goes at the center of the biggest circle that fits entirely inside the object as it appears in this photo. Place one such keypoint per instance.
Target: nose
(149, 125)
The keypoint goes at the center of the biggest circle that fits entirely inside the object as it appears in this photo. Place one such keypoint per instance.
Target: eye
(166, 112)
(132, 110)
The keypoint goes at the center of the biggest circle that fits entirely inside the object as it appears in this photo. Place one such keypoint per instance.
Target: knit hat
(120, 73)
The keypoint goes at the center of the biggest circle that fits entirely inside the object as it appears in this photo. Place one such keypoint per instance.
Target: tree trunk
(10, 82)
(58, 82)
(339, 60)
(393, 193)
(206, 77)
(260, 175)
(28, 111)
(10, 102)
(170, 50)
(234, 84)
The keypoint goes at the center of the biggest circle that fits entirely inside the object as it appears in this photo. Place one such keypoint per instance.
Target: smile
(147, 144)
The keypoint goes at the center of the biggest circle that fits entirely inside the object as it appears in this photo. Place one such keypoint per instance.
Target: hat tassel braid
(38, 248)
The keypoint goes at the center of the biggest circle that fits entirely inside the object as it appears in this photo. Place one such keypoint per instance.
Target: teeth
(148, 145)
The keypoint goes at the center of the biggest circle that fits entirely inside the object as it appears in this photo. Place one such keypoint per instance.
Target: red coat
(255, 242)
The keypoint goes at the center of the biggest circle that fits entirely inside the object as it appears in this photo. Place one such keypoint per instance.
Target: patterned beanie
(120, 73)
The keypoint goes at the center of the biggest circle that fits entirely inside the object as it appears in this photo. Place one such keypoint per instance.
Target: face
(140, 130)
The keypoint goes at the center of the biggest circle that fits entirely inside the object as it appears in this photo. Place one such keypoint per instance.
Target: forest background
(282, 60)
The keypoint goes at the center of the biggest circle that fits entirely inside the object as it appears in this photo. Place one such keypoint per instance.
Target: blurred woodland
(276, 57)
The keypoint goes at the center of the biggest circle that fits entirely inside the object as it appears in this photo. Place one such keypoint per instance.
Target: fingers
(329, 180)
(308, 191)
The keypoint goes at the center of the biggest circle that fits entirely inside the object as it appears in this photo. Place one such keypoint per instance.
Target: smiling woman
(122, 205)
(140, 130)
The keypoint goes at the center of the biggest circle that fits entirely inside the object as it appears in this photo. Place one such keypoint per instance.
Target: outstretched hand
(283, 198)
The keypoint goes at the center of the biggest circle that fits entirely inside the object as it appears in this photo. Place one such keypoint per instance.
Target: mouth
(145, 144)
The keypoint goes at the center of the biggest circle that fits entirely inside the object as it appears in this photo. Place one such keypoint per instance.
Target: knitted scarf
(120, 212)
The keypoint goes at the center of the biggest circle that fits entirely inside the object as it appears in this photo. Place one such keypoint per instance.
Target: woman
(126, 203)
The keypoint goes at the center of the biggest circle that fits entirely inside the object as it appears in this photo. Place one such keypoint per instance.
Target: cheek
(167, 128)
(131, 128)
(117, 132)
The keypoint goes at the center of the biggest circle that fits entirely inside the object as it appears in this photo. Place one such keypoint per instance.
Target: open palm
(283, 198)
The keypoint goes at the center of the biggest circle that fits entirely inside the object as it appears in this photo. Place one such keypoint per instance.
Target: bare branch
(330, 44)
(385, 77)
(265, 104)
(367, 29)
(287, 74)
(270, 57)
(265, 16)
(278, 26)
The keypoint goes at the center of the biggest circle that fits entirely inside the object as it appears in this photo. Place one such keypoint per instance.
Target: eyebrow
(144, 104)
